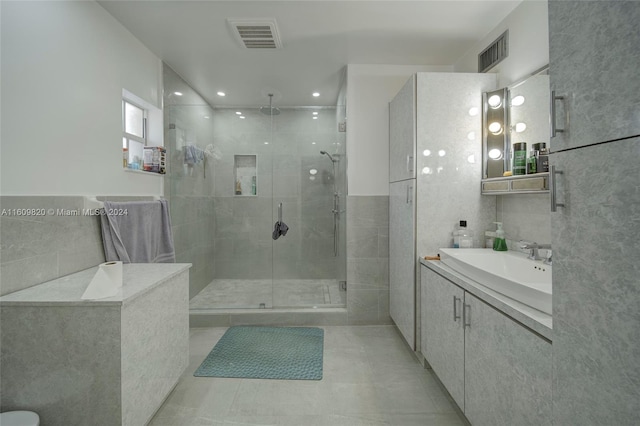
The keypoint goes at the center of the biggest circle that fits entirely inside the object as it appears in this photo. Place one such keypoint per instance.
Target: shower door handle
(280, 212)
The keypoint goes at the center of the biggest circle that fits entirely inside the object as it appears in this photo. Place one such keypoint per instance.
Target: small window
(134, 134)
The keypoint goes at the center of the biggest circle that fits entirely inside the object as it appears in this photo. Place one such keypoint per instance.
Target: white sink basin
(511, 274)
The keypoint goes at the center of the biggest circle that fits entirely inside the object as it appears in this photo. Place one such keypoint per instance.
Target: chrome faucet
(533, 250)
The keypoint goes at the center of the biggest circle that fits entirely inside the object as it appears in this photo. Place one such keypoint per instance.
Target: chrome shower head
(270, 110)
(328, 155)
(266, 110)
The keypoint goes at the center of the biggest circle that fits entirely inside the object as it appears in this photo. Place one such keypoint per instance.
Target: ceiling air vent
(256, 33)
(494, 53)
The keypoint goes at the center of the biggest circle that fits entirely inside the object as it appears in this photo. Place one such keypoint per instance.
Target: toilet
(19, 418)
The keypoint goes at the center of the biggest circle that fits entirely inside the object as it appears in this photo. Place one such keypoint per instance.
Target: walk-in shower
(267, 165)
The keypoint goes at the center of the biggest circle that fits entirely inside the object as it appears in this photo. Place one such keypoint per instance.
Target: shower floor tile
(287, 293)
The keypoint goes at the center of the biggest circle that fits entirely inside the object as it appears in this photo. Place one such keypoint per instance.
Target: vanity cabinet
(497, 370)
(428, 162)
(593, 63)
(402, 131)
(442, 331)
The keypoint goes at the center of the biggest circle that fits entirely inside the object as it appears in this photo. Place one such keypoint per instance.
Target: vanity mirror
(516, 136)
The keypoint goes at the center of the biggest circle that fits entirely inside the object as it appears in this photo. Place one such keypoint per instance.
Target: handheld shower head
(328, 155)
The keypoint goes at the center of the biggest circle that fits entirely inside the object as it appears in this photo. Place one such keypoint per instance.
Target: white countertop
(138, 278)
(534, 319)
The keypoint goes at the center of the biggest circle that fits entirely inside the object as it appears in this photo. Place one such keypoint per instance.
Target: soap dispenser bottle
(499, 243)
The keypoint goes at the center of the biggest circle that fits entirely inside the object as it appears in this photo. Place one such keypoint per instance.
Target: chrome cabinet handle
(554, 126)
(466, 316)
(409, 190)
(456, 315)
(410, 163)
(552, 188)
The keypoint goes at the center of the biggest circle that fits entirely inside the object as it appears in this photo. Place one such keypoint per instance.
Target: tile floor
(370, 378)
(285, 293)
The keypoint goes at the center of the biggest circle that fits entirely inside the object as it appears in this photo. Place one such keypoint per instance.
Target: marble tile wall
(154, 347)
(36, 249)
(524, 217)
(368, 260)
(79, 363)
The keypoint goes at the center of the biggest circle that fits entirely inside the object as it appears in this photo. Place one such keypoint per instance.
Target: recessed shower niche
(245, 175)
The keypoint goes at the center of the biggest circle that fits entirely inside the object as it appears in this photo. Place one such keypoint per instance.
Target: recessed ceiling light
(313, 143)
(315, 113)
(206, 116)
(315, 94)
(315, 118)
(222, 94)
(242, 117)
(177, 93)
(266, 143)
(238, 113)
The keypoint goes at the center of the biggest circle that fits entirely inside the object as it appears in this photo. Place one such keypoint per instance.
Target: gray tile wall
(524, 217)
(36, 249)
(368, 260)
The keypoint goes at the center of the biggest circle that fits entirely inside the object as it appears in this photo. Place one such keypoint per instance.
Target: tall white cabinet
(435, 154)
(594, 58)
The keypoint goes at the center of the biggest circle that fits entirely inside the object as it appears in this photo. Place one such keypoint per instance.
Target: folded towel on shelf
(279, 230)
(137, 232)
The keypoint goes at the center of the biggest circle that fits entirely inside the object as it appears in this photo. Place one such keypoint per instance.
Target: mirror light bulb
(494, 101)
(495, 127)
(426, 153)
(517, 101)
(442, 153)
(495, 154)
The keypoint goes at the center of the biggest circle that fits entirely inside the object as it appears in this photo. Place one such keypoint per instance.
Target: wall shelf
(245, 169)
(537, 183)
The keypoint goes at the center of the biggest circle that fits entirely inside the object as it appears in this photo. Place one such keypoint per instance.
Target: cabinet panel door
(402, 258)
(442, 335)
(596, 320)
(507, 370)
(594, 58)
(402, 133)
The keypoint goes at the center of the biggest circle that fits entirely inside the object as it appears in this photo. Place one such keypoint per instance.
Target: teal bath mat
(288, 353)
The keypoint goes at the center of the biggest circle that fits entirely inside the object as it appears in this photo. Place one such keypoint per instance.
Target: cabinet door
(402, 258)
(442, 331)
(594, 58)
(507, 370)
(402, 133)
(596, 320)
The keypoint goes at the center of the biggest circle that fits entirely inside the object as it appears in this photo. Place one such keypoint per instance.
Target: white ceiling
(319, 39)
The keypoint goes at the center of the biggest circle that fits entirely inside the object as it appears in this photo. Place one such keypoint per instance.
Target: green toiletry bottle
(499, 243)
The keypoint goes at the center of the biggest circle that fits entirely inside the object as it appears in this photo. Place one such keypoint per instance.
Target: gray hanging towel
(137, 232)
(280, 229)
